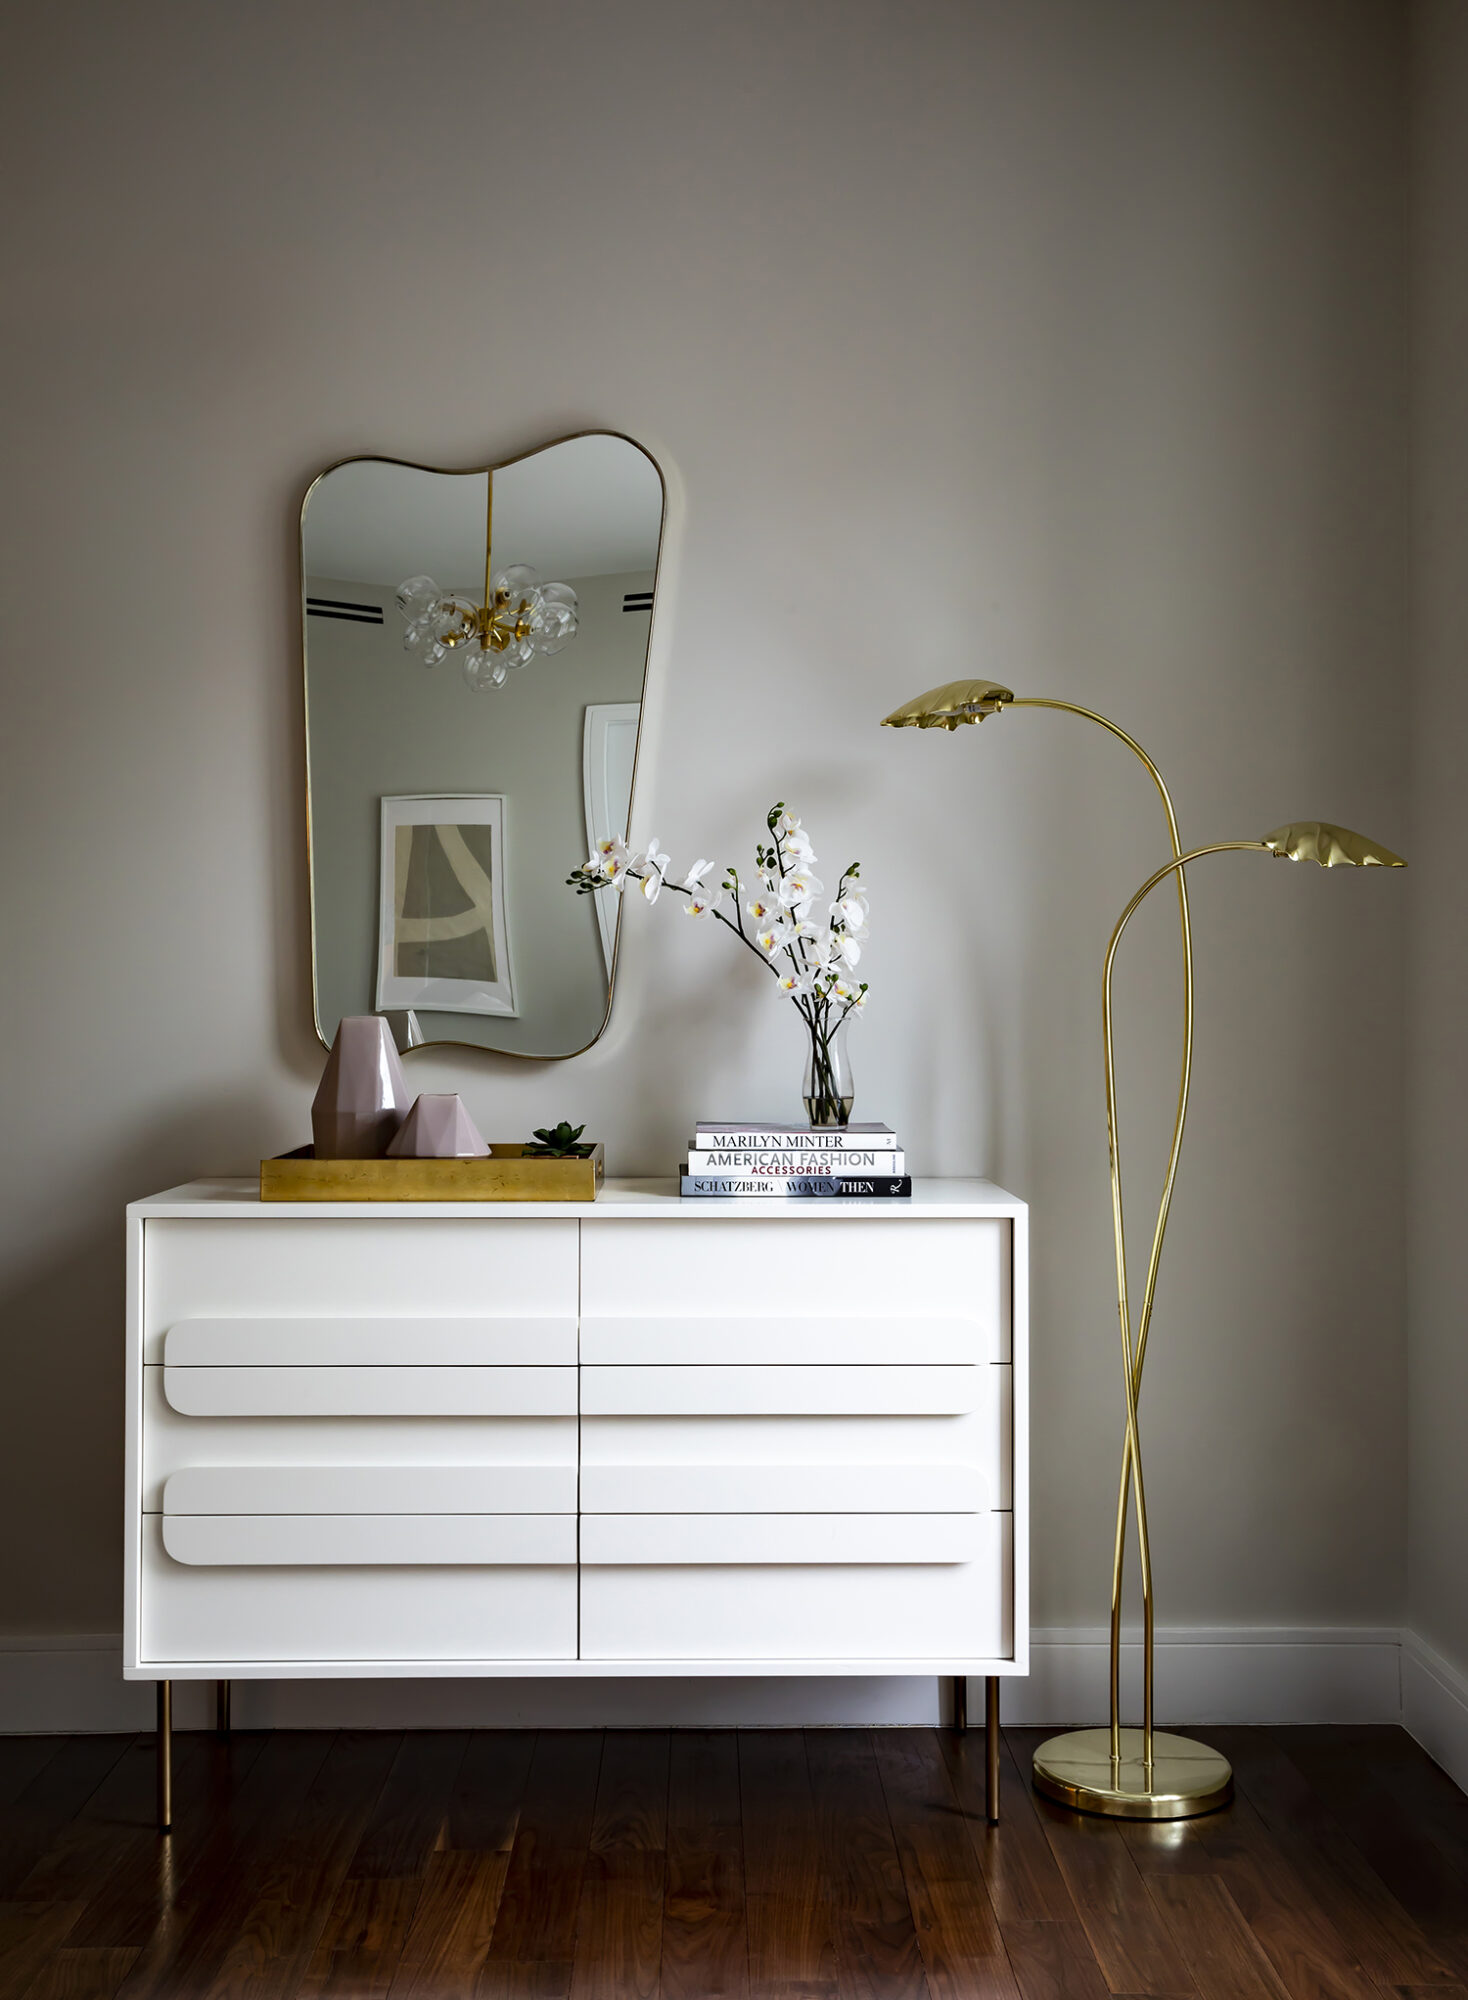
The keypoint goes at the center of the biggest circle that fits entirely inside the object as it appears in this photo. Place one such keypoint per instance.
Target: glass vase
(829, 1091)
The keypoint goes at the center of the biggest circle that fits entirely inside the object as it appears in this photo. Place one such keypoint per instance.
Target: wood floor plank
(1226, 1960)
(410, 1818)
(1019, 1870)
(144, 1878)
(792, 1953)
(89, 1973)
(484, 1810)
(361, 1944)
(705, 1952)
(1306, 1951)
(51, 1800)
(30, 1935)
(203, 1904)
(619, 1924)
(877, 1952)
(537, 1915)
(282, 1925)
(958, 1934)
(453, 1926)
(1126, 1931)
(1386, 1941)
(1052, 1960)
(114, 1825)
(1396, 1839)
(23, 1758)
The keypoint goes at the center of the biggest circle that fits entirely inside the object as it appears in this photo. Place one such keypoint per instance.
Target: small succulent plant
(558, 1142)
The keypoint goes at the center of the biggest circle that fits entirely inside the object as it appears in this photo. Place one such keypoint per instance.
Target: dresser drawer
(631, 1539)
(173, 1443)
(371, 1489)
(395, 1618)
(779, 1339)
(786, 1489)
(335, 1342)
(740, 1464)
(795, 1391)
(805, 1613)
(303, 1540)
(924, 1268)
(339, 1267)
(371, 1392)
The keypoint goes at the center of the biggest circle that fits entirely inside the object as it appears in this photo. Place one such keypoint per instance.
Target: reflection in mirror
(476, 648)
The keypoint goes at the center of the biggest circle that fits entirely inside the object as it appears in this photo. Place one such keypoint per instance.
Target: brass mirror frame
(469, 472)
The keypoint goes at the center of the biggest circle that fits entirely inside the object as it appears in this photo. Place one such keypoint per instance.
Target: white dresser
(639, 1436)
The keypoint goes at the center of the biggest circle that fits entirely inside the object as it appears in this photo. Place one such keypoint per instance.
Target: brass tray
(507, 1175)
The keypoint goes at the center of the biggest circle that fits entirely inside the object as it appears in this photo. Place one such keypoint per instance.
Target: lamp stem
(1130, 1465)
(1131, 1360)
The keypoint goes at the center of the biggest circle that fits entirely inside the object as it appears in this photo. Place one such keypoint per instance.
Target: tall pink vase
(363, 1097)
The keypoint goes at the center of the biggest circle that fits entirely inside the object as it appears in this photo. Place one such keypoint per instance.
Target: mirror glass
(469, 739)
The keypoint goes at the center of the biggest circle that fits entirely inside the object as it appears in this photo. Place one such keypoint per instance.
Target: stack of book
(794, 1162)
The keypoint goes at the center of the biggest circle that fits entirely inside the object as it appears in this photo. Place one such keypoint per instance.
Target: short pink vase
(364, 1095)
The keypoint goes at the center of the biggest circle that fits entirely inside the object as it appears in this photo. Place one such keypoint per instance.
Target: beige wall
(1055, 341)
(1438, 1036)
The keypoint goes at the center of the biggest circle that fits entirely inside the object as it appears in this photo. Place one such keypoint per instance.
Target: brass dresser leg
(165, 1756)
(960, 1702)
(991, 1749)
(221, 1708)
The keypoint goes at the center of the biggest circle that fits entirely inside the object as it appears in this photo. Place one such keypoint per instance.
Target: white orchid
(811, 960)
(798, 982)
(656, 864)
(799, 889)
(850, 910)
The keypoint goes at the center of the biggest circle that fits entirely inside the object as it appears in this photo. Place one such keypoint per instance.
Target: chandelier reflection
(520, 620)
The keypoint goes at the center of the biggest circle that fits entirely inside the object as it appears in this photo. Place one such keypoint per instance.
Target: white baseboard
(1229, 1675)
(1435, 1706)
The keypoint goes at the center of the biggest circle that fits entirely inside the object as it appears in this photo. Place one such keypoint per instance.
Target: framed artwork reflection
(441, 939)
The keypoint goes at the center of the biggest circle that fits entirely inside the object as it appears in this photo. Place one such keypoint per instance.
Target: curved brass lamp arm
(1144, 1318)
(1131, 1362)
(1130, 1462)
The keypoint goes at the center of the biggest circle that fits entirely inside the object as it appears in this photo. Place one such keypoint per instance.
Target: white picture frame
(608, 753)
(445, 848)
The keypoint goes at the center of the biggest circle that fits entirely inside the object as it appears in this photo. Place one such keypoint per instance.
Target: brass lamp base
(1187, 1777)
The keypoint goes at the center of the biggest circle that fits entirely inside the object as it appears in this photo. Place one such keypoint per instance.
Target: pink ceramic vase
(438, 1128)
(363, 1097)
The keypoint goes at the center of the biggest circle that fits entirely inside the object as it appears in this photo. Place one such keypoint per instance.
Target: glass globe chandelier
(521, 618)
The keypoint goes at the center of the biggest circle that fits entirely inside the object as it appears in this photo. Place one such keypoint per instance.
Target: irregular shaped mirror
(475, 652)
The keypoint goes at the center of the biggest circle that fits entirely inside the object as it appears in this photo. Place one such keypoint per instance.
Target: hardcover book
(730, 1135)
(779, 1162)
(796, 1187)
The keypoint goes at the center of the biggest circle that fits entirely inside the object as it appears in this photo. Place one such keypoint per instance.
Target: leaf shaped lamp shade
(1331, 846)
(950, 706)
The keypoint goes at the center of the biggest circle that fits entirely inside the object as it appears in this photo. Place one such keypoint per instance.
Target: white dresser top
(929, 1199)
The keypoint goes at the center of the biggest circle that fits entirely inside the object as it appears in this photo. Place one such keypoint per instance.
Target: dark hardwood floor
(817, 1865)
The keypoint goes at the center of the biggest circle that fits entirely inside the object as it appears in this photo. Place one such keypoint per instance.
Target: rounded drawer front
(795, 1391)
(635, 1539)
(780, 1339)
(370, 1342)
(382, 1540)
(371, 1392)
(371, 1489)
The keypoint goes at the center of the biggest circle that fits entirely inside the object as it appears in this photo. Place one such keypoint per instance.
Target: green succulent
(558, 1142)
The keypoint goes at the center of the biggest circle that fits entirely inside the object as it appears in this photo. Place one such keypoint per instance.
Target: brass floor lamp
(1138, 1773)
